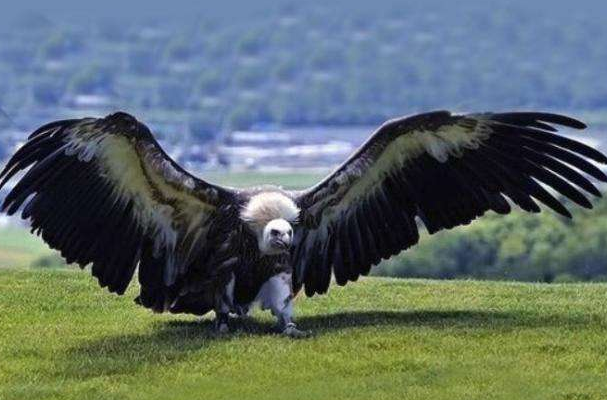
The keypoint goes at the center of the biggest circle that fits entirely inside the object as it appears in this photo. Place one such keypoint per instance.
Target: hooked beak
(282, 244)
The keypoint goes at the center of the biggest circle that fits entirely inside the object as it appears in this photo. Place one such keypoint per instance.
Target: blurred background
(281, 91)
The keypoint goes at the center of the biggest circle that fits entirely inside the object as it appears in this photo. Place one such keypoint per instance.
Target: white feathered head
(270, 215)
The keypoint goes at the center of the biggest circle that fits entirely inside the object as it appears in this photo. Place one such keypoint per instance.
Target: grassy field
(64, 338)
(19, 248)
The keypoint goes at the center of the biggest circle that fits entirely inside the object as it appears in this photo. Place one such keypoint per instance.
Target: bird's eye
(274, 232)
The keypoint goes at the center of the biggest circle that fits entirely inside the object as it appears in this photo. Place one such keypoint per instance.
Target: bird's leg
(276, 295)
(223, 305)
(221, 322)
(242, 310)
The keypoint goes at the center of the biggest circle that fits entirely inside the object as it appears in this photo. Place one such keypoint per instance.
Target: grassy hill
(18, 248)
(64, 338)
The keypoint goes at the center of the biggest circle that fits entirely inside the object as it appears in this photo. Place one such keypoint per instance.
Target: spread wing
(102, 191)
(442, 169)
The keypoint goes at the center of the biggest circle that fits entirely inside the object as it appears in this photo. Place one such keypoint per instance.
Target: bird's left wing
(442, 168)
(102, 191)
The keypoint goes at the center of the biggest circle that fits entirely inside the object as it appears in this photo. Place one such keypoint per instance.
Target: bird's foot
(291, 331)
(221, 324)
(242, 311)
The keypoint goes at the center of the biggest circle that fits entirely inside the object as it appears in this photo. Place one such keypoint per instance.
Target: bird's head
(276, 237)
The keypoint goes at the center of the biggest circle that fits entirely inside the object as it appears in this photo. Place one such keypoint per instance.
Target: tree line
(539, 247)
(305, 63)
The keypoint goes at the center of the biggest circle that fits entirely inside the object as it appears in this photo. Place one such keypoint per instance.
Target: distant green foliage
(252, 43)
(172, 94)
(210, 83)
(286, 70)
(203, 128)
(179, 49)
(47, 91)
(93, 79)
(141, 60)
(60, 44)
(49, 261)
(317, 64)
(19, 248)
(520, 246)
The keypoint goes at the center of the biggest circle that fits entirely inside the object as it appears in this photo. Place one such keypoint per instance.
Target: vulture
(104, 193)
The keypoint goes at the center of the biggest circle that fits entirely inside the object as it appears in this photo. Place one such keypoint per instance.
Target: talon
(221, 324)
(292, 331)
(222, 328)
(242, 311)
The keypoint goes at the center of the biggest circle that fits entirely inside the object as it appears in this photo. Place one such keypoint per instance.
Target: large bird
(103, 192)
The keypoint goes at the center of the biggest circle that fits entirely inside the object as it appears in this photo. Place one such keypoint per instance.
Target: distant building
(88, 101)
(303, 148)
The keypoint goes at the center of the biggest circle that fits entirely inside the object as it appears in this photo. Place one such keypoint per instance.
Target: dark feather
(79, 205)
(515, 154)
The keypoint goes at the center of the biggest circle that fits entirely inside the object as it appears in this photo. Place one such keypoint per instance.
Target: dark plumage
(445, 170)
(104, 193)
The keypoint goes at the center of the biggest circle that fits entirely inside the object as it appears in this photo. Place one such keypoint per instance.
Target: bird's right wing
(102, 191)
(442, 168)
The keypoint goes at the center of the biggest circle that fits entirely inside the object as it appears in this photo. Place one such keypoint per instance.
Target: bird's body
(103, 192)
(249, 266)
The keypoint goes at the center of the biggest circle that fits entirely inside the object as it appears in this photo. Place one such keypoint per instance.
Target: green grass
(62, 337)
(19, 248)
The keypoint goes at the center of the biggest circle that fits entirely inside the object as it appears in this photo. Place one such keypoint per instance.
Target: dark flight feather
(446, 170)
(93, 189)
(105, 194)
